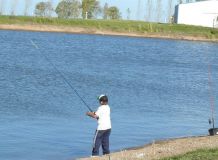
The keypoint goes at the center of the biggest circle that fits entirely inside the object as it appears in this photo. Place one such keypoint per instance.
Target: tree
(68, 9)
(1, 7)
(159, 10)
(114, 13)
(105, 11)
(128, 11)
(149, 8)
(43, 9)
(51, 8)
(138, 13)
(13, 7)
(26, 7)
(170, 5)
(90, 8)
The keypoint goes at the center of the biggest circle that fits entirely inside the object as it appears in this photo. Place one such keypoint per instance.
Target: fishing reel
(209, 121)
(212, 131)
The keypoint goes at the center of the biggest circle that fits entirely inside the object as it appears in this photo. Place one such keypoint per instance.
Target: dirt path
(80, 30)
(162, 149)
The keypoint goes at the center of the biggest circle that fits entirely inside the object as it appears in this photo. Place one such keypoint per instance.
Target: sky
(138, 12)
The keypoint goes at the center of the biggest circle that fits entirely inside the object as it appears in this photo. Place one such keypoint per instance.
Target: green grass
(117, 26)
(203, 154)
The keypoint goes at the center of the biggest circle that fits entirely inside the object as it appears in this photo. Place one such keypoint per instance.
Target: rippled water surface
(158, 89)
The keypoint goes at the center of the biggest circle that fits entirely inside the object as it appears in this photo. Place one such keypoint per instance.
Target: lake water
(157, 89)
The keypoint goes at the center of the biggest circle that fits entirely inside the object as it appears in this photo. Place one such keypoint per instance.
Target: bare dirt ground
(80, 30)
(161, 149)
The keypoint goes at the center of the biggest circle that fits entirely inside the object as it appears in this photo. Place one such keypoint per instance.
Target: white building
(204, 13)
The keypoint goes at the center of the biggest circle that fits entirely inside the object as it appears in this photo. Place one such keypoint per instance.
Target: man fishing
(102, 115)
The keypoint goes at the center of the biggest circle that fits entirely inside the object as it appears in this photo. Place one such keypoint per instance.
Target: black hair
(104, 99)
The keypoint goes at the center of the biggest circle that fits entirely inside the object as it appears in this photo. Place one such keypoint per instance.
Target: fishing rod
(212, 100)
(213, 130)
(63, 77)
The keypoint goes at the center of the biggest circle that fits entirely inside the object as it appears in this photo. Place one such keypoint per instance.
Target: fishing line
(213, 130)
(63, 77)
(212, 100)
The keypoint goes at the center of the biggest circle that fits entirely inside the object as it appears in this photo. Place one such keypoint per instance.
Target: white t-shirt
(104, 120)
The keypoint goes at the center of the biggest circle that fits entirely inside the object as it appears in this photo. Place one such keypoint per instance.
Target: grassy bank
(202, 154)
(137, 27)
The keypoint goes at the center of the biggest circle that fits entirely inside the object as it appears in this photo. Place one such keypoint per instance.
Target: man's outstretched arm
(92, 114)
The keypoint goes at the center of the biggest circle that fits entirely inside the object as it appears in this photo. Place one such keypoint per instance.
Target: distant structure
(202, 13)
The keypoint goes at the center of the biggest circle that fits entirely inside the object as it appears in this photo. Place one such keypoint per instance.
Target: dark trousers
(101, 138)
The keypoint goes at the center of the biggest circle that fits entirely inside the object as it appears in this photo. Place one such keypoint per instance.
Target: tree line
(86, 9)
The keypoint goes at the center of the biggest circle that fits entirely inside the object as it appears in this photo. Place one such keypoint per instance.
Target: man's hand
(92, 114)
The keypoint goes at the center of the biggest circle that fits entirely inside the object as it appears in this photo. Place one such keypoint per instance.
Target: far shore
(81, 30)
(162, 149)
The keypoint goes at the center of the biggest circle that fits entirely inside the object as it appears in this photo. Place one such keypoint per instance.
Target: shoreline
(82, 30)
(163, 148)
